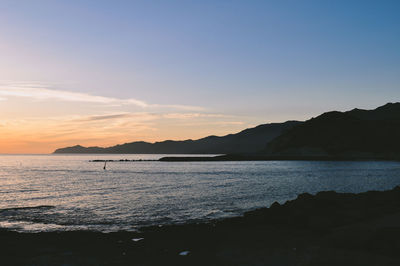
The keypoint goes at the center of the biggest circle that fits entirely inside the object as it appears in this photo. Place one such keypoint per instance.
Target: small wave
(40, 207)
(212, 213)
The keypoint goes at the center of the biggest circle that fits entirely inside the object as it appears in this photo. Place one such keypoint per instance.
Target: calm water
(57, 192)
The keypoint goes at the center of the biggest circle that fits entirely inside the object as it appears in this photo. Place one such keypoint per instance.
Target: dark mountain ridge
(356, 133)
(247, 141)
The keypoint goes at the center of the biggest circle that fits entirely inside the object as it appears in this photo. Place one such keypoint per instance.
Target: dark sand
(326, 229)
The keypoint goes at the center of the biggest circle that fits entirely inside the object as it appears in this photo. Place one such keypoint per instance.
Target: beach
(200, 133)
(328, 228)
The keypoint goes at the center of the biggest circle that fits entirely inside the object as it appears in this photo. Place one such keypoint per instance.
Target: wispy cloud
(41, 92)
(62, 95)
(147, 116)
(106, 122)
(45, 134)
(192, 115)
(104, 117)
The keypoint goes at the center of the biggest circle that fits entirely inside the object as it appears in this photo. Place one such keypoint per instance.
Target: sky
(100, 73)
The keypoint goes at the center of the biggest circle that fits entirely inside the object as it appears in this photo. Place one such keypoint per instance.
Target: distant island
(355, 134)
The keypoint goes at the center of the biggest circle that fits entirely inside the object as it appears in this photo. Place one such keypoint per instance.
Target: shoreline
(251, 158)
(328, 228)
(240, 157)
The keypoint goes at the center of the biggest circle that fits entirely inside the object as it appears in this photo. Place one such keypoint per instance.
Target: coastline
(328, 228)
(251, 157)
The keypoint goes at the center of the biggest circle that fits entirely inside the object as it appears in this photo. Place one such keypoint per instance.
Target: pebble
(184, 253)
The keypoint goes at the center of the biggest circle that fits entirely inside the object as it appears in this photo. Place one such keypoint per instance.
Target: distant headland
(246, 141)
(351, 135)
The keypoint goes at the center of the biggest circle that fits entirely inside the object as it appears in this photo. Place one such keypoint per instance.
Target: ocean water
(68, 192)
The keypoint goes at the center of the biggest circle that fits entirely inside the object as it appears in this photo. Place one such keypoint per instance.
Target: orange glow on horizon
(38, 121)
(44, 137)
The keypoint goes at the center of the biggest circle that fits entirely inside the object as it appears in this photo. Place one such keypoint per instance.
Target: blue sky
(252, 61)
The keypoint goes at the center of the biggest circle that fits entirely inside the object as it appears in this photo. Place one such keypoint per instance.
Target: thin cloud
(140, 116)
(45, 134)
(52, 94)
(34, 91)
(105, 117)
(191, 115)
(178, 106)
(147, 116)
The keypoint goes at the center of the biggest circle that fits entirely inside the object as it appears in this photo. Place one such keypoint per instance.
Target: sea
(70, 192)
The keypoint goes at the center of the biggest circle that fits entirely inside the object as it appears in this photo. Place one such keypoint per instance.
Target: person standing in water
(105, 164)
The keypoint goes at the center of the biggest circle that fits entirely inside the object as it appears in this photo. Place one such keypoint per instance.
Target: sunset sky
(109, 72)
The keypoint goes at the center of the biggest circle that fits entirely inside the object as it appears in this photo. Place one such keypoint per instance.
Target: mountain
(247, 141)
(356, 133)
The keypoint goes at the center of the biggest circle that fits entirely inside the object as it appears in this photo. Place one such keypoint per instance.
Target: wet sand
(326, 229)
